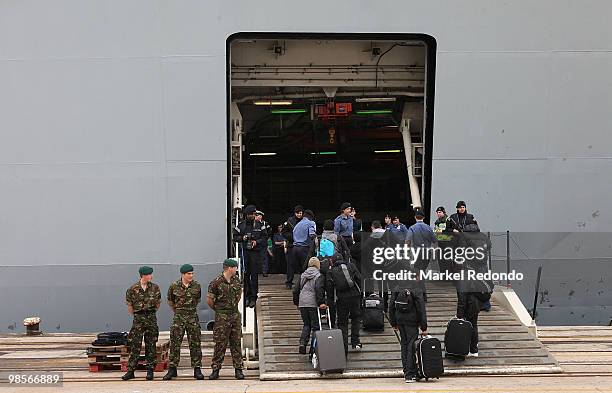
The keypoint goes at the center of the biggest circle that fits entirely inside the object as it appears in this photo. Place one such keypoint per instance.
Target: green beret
(186, 268)
(230, 263)
(144, 270)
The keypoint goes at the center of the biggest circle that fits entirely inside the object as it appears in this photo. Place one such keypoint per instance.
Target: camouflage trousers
(185, 322)
(144, 325)
(227, 330)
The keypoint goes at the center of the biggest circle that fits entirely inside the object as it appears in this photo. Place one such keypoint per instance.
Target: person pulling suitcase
(373, 308)
(407, 314)
(469, 305)
(309, 296)
(343, 280)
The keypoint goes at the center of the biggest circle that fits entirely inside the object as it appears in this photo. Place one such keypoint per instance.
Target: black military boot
(149, 374)
(129, 375)
(170, 374)
(238, 373)
(197, 373)
(214, 375)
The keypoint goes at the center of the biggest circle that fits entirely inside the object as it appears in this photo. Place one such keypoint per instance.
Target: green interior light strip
(286, 111)
(375, 112)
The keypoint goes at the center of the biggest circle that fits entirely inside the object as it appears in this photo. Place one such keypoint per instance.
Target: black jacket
(468, 305)
(373, 241)
(336, 279)
(416, 314)
(325, 273)
(254, 230)
(287, 230)
(459, 222)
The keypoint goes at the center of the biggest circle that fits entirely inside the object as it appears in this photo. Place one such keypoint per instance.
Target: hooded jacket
(310, 292)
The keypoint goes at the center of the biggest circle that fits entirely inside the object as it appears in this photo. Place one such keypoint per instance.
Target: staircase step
(483, 331)
(504, 341)
(394, 346)
(293, 324)
(396, 355)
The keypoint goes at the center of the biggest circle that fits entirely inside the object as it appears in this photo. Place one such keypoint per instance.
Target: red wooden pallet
(97, 367)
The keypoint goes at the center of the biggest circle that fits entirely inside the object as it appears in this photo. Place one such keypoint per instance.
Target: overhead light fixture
(276, 102)
(324, 153)
(392, 126)
(375, 99)
(375, 112)
(262, 154)
(387, 151)
(286, 111)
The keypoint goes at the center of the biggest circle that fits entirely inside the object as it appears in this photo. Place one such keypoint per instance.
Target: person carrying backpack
(338, 242)
(407, 314)
(443, 228)
(326, 265)
(309, 296)
(343, 281)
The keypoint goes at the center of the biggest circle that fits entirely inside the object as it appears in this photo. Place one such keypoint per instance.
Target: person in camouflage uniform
(143, 300)
(443, 228)
(224, 293)
(183, 298)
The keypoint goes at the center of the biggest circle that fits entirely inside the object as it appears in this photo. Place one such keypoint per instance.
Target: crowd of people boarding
(330, 283)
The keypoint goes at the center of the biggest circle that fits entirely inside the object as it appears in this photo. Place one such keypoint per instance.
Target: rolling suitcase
(457, 338)
(428, 357)
(373, 315)
(328, 355)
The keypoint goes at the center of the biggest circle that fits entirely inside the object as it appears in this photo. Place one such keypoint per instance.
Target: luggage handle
(327, 315)
(382, 285)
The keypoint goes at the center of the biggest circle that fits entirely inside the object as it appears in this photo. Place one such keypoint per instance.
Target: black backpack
(108, 339)
(486, 289)
(404, 303)
(326, 265)
(342, 278)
